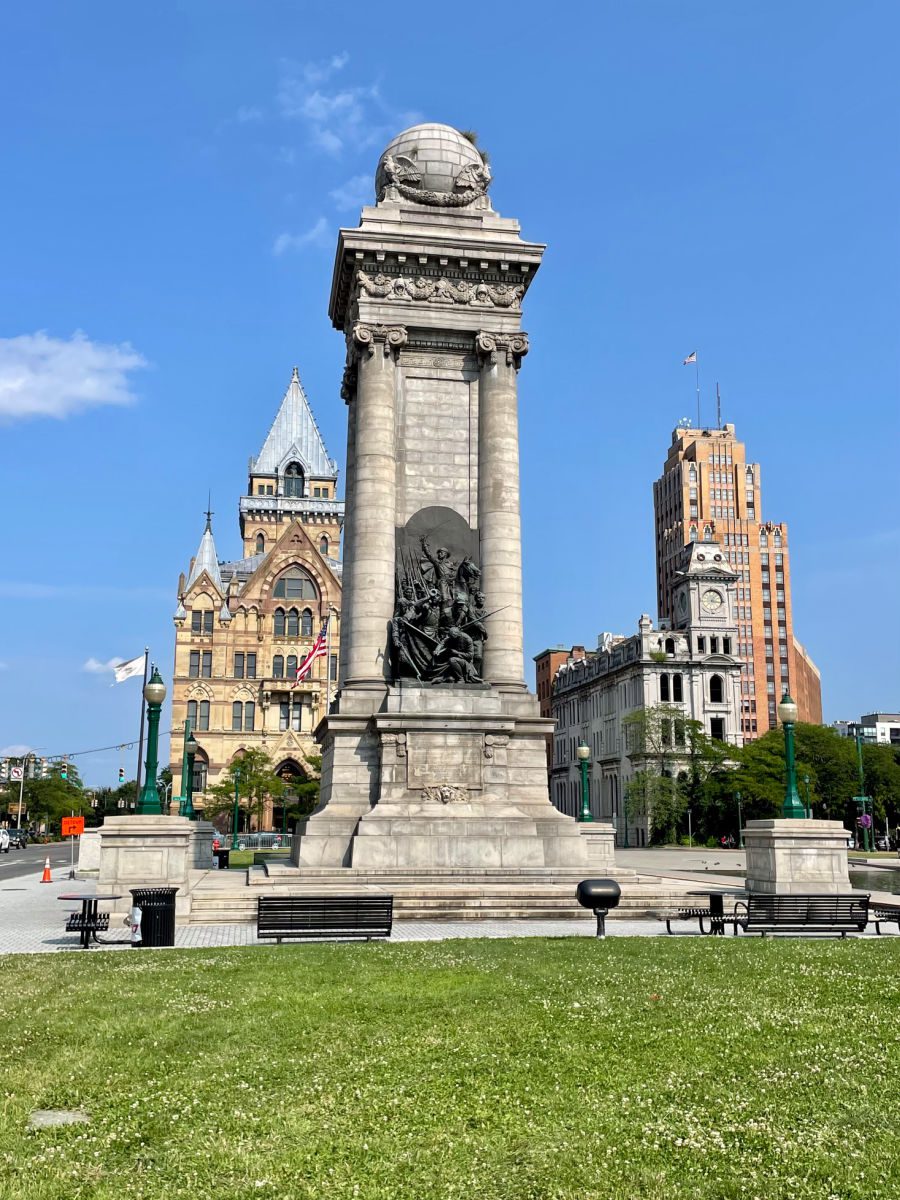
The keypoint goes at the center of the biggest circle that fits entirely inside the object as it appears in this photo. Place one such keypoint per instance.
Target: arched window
(249, 716)
(260, 544)
(192, 714)
(777, 539)
(292, 666)
(201, 770)
(306, 623)
(677, 693)
(237, 716)
(716, 689)
(693, 533)
(293, 480)
(669, 646)
(293, 623)
(203, 715)
(763, 538)
(664, 687)
(279, 622)
(278, 666)
(295, 584)
(707, 533)
(323, 545)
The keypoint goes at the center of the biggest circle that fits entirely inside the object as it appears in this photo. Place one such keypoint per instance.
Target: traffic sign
(72, 826)
(16, 774)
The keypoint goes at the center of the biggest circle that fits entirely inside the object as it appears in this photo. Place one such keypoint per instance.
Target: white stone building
(689, 663)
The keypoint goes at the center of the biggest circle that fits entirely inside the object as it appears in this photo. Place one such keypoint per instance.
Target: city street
(30, 861)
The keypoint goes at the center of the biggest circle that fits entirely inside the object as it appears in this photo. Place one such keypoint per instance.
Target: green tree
(881, 771)
(48, 800)
(256, 783)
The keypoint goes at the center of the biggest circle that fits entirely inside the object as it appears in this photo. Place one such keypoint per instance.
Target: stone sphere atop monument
(434, 165)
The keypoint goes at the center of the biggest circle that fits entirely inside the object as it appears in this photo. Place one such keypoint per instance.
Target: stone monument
(434, 753)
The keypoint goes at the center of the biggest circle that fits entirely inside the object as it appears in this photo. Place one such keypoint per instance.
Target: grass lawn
(491, 1070)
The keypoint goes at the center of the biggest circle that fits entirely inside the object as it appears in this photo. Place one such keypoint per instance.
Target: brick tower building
(709, 492)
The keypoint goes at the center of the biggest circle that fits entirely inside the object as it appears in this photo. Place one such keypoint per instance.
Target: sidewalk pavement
(32, 921)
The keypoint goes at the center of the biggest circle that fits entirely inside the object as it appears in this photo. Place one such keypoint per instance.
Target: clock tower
(705, 592)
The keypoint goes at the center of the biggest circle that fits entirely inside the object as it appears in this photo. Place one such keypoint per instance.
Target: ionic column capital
(513, 345)
(364, 338)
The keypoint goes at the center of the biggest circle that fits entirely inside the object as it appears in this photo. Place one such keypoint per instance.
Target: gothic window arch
(293, 623)
(306, 623)
(677, 690)
(669, 647)
(763, 538)
(291, 666)
(716, 689)
(295, 584)
(664, 687)
(279, 622)
(776, 540)
(294, 480)
(707, 533)
(260, 543)
(278, 666)
(323, 544)
(693, 533)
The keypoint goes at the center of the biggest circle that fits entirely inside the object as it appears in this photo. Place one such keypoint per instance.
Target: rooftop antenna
(718, 407)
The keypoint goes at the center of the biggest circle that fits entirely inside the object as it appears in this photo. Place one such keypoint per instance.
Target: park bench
(78, 923)
(324, 917)
(764, 913)
(883, 915)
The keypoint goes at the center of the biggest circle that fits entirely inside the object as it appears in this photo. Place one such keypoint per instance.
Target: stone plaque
(444, 758)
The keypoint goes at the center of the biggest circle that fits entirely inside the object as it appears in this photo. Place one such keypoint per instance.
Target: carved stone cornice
(513, 345)
(364, 338)
(443, 290)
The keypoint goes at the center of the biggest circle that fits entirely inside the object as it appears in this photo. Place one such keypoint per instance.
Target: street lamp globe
(154, 688)
(191, 746)
(787, 710)
(583, 751)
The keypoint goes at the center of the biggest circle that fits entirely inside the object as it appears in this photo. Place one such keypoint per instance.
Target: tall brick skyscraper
(708, 491)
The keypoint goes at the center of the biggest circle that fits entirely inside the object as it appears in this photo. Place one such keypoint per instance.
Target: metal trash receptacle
(221, 857)
(157, 907)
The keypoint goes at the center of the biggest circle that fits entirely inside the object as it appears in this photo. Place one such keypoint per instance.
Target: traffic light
(64, 769)
(121, 776)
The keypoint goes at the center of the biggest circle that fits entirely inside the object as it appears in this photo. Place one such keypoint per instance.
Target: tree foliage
(256, 783)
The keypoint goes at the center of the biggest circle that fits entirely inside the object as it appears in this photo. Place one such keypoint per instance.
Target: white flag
(691, 358)
(125, 670)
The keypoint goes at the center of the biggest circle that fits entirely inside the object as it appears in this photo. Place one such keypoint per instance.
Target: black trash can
(157, 907)
(221, 857)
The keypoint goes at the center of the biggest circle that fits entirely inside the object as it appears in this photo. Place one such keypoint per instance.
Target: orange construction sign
(72, 826)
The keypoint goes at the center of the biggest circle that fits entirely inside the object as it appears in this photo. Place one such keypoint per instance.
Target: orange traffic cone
(46, 877)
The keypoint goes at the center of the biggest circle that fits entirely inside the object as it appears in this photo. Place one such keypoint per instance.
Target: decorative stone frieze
(441, 291)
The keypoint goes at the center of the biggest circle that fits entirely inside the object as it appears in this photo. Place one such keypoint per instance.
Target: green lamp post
(862, 800)
(190, 751)
(235, 812)
(737, 796)
(793, 806)
(584, 753)
(806, 788)
(154, 694)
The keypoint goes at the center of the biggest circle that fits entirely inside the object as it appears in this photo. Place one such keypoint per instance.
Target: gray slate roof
(294, 436)
(206, 560)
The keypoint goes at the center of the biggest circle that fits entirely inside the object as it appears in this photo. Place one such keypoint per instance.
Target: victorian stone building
(242, 626)
(688, 663)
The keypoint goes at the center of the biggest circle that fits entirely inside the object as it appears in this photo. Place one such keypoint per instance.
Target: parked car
(18, 839)
(881, 843)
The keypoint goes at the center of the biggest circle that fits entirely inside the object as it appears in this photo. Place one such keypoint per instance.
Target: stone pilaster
(499, 520)
(371, 506)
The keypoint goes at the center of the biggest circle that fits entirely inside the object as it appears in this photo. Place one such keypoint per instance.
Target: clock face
(711, 601)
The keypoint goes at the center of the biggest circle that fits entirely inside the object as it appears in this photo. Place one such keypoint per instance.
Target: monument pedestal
(793, 857)
(451, 777)
(153, 851)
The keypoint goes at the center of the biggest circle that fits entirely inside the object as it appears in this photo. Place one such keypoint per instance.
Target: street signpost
(72, 827)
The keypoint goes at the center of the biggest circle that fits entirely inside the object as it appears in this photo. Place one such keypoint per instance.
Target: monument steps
(460, 896)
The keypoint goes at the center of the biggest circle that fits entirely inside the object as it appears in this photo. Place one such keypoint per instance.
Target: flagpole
(697, 365)
(141, 735)
(328, 666)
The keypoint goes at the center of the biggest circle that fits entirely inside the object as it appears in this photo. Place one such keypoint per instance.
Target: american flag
(319, 650)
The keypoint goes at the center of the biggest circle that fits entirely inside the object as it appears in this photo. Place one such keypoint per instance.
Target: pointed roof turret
(207, 560)
(294, 436)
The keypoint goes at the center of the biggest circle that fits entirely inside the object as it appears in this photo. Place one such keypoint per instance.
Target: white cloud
(355, 192)
(43, 376)
(95, 667)
(316, 235)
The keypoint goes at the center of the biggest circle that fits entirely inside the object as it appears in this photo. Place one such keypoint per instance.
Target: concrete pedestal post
(153, 851)
(794, 857)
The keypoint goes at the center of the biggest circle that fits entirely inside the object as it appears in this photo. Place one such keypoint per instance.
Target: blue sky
(709, 176)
